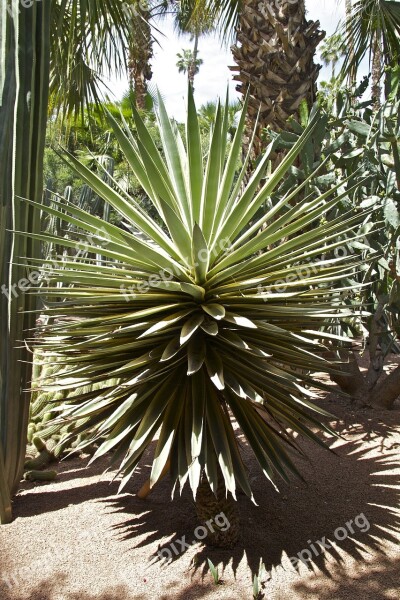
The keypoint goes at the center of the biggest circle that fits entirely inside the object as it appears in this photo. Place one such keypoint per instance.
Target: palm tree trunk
(209, 505)
(352, 73)
(192, 66)
(376, 87)
(274, 54)
(140, 55)
(24, 88)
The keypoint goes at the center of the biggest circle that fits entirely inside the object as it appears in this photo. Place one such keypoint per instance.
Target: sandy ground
(75, 539)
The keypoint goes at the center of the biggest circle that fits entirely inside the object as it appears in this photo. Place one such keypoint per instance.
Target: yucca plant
(191, 318)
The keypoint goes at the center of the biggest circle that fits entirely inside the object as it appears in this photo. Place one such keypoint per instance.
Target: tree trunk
(192, 66)
(350, 380)
(140, 55)
(352, 73)
(385, 393)
(366, 388)
(275, 58)
(208, 506)
(376, 73)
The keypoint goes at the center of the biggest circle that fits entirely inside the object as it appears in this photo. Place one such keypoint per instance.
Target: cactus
(36, 369)
(67, 428)
(39, 444)
(78, 441)
(49, 371)
(50, 445)
(42, 401)
(48, 432)
(40, 461)
(40, 475)
(31, 431)
(51, 440)
(31, 452)
(60, 449)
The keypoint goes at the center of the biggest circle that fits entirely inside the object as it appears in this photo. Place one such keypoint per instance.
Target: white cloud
(327, 12)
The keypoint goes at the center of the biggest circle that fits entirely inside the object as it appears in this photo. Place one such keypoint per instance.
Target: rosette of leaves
(207, 321)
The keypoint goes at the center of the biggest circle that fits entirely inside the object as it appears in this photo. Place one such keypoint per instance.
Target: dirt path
(77, 540)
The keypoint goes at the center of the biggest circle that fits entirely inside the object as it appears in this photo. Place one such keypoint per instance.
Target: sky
(214, 75)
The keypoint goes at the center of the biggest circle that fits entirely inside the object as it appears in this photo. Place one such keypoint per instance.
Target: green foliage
(207, 114)
(56, 175)
(212, 318)
(90, 138)
(194, 17)
(371, 21)
(361, 153)
(86, 43)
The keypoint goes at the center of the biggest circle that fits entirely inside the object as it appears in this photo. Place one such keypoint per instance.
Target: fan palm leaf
(371, 20)
(88, 42)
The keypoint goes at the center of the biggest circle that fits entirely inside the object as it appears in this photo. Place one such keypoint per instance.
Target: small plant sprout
(258, 582)
(214, 572)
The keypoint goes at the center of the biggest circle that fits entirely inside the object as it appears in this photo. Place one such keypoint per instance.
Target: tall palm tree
(275, 47)
(350, 43)
(196, 62)
(332, 51)
(376, 70)
(64, 48)
(189, 63)
(140, 50)
(196, 18)
(373, 27)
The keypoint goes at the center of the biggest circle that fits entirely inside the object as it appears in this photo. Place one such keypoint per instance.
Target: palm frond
(370, 20)
(89, 41)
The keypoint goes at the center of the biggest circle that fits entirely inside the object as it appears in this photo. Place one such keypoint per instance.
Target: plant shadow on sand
(360, 477)
(55, 587)
(41, 500)
(379, 582)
